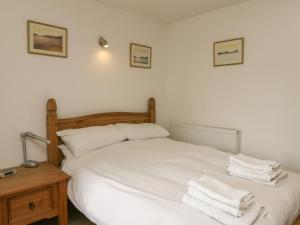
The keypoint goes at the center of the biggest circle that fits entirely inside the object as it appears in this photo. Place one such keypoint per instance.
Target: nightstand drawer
(29, 205)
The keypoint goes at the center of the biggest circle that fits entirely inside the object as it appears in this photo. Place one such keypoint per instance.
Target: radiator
(225, 139)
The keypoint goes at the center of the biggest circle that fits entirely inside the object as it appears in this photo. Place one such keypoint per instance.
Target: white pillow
(84, 140)
(142, 131)
(66, 152)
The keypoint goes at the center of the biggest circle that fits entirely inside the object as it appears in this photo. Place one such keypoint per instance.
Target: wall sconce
(103, 42)
(31, 163)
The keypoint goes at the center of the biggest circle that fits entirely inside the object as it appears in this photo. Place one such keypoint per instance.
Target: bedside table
(34, 194)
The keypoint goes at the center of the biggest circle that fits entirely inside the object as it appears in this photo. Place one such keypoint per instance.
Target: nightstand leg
(63, 204)
(3, 212)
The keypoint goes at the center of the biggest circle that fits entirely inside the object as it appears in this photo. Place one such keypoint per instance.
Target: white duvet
(142, 183)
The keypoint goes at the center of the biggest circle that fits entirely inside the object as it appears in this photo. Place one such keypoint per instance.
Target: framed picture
(45, 39)
(229, 52)
(140, 56)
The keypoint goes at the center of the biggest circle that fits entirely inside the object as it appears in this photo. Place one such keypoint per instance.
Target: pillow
(84, 140)
(142, 131)
(66, 152)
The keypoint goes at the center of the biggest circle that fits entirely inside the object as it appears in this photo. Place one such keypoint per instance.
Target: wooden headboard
(55, 124)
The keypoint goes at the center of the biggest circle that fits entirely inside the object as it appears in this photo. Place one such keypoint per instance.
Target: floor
(75, 218)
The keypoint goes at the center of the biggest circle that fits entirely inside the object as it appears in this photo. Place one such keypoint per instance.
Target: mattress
(142, 183)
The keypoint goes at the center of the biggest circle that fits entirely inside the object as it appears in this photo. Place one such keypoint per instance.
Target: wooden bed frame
(55, 124)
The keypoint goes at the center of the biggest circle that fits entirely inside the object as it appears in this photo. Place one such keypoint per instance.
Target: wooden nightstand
(34, 194)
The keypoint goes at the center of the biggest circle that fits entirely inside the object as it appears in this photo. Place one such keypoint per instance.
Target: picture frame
(46, 39)
(229, 52)
(140, 56)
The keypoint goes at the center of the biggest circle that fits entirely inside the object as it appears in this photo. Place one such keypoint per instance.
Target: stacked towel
(262, 171)
(222, 202)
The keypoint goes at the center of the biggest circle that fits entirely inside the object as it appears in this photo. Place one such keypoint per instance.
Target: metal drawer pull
(31, 205)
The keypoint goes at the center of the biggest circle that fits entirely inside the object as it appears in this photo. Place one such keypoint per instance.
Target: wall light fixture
(103, 42)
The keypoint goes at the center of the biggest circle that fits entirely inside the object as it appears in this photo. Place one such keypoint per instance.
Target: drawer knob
(31, 205)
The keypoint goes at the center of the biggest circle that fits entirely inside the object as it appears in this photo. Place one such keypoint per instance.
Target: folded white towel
(253, 214)
(253, 163)
(256, 171)
(236, 212)
(222, 192)
(274, 183)
(236, 168)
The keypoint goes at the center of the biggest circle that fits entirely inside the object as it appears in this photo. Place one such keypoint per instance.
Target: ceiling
(168, 11)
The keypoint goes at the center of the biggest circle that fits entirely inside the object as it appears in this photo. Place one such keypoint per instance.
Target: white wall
(260, 97)
(90, 80)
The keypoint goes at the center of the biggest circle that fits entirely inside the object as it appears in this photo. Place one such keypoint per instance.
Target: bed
(142, 182)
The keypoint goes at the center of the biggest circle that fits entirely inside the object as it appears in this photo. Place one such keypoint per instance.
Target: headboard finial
(151, 109)
(51, 105)
(151, 102)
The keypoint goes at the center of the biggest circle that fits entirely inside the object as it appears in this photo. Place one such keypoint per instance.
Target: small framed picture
(229, 52)
(45, 39)
(140, 56)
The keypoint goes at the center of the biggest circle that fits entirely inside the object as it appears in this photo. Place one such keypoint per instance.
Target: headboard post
(53, 151)
(151, 110)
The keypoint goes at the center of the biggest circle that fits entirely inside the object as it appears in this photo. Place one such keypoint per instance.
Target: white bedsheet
(142, 183)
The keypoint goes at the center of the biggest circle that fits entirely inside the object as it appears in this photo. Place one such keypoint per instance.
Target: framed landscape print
(229, 52)
(140, 56)
(45, 39)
